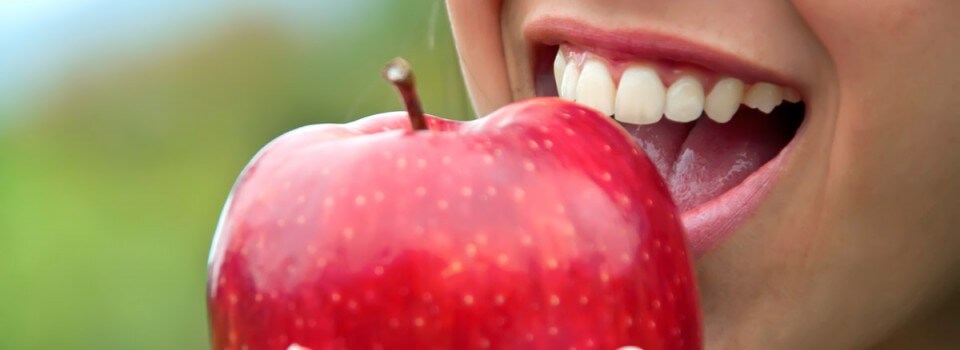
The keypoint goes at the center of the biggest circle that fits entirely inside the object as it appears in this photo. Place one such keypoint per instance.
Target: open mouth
(716, 136)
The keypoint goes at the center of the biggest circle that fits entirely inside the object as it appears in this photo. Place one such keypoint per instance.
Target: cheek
(892, 189)
(476, 29)
(895, 66)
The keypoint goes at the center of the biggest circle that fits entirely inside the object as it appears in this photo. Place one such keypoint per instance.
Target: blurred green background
(123, 125)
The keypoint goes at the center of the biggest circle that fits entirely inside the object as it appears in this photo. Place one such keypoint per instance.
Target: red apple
(540, 226)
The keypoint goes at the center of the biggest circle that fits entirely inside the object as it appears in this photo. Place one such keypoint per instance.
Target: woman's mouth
(716, 128)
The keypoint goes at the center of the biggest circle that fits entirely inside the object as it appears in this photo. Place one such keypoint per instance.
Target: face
(811, 144)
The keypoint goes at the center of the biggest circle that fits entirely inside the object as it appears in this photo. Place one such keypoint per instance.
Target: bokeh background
(123, 125)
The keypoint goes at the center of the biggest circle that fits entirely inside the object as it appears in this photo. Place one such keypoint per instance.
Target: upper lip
(643, 43)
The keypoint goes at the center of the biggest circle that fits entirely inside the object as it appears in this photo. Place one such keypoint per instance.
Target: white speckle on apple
(378, 270)
(281, 223)
(499, 299)
(554, 331)
(518, 194)
(401, 163)
(378, 196)
(442, 204)
(526, 240)
(488, 159)
(301, 199)
(533, 144)
(547, 144)
(527, 164)
(569, 132)
(554, 300)
(552, 263)
(301, 220)
(446, 160)
(455, 267)
(606, 176)
(491, 191)
(335, 297)
(418, 322)
(348, 233)
(471, 250)
(502, 259)
(421, 191)
(468, 299)
(328, 202)
(569, 229)
(295, 346)
(466, 191)
(584, 300)
(421, 163)
(360, 200)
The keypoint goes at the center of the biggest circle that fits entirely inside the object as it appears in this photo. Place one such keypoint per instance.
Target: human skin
(856, 244)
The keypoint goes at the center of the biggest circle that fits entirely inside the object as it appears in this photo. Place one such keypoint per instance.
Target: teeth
(595, 88)
(724, 100)
(791, 95)
(763, 96)
(559, 64)
(640, 96)
(684, 100)
(568, 85)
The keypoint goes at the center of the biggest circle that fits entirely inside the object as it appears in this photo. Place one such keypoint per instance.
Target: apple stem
(399, 73)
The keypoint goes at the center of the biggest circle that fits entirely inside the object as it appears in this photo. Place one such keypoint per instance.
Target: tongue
(702, 160)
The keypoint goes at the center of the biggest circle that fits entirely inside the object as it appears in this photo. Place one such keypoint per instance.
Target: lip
(712, 222)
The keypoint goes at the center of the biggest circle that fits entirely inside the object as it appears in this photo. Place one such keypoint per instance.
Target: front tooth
(724, 100)
(684, 100)
(640, 96)
(595, 88)
(559, 64)
(763, 96)
(568, 85)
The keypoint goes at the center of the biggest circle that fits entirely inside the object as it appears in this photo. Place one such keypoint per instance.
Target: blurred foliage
(111, 184)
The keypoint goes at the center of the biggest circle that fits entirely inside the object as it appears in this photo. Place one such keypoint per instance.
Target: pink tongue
(702, 160)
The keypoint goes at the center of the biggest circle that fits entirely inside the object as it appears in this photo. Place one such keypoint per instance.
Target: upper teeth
(640, 97)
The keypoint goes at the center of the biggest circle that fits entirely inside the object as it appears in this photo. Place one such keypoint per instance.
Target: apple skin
(541, 226)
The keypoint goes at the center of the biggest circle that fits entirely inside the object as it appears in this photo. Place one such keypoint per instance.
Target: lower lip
(708, 224)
